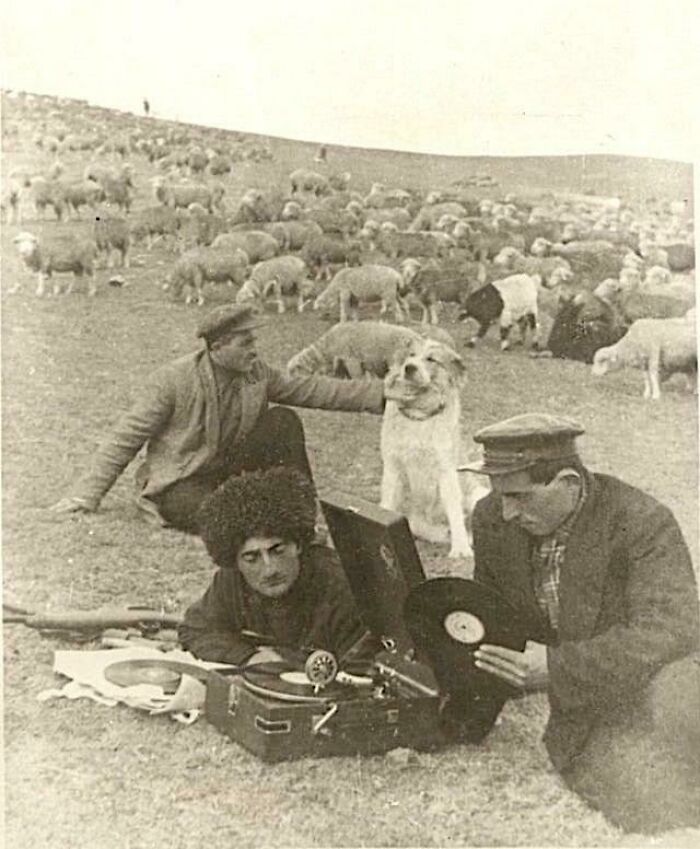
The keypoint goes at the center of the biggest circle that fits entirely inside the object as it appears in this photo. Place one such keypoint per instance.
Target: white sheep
(206, 264)
(658, 346)
(353, 349)
(282, 275)
(57, 254)
(351, 286)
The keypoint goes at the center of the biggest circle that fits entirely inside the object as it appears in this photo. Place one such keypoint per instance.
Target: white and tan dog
(421, 448)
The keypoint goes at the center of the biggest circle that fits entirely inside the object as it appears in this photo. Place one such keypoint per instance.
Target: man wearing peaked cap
(206, 416)
(603, 582)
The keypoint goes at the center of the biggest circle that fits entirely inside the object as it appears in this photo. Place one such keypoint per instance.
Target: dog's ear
(455, 363)
(401, 352)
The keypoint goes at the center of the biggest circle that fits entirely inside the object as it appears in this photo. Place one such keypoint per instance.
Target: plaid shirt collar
(547, 559)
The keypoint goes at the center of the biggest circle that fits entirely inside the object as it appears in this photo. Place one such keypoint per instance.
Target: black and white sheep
(512, 300)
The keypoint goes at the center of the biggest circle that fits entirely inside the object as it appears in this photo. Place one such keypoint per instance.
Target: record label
(464, 627)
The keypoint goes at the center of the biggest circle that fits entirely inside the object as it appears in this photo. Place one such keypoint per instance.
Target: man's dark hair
(544, 471)
(279, 502)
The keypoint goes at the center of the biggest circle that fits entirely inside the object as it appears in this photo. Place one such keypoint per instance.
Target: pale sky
(447, 76)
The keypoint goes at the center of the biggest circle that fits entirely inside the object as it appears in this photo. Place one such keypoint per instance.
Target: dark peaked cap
(228, 318)
(518, 443)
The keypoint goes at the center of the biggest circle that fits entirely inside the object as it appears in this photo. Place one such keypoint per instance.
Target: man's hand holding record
(450, 621)
(525, 670)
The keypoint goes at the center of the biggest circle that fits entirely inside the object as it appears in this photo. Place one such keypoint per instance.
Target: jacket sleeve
(209, 629)
(661, 625)
(145, 419)
(482, 556)
(325, 393)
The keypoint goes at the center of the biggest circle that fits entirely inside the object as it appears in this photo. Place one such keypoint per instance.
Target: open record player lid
(379, 557)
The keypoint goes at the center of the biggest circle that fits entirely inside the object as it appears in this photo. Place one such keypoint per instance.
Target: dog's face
(425, 372)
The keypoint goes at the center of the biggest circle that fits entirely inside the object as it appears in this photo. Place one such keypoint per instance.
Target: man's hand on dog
(400, 392)
(72, 504)
(526, 670)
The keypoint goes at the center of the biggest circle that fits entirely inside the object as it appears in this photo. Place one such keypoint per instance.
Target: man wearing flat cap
(205, 417)
(604, 585)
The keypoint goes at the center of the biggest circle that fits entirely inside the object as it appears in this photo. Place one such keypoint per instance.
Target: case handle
(273, 726)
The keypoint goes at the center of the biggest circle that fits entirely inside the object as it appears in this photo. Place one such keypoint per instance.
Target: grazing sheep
(82, 193)
(203, 265)
(13, 198)
(636, 300)
(353, 349)
(282, 275)
(511, 259)
(156, 222)
(58, 254)
(430, 214)
(183, 194)
(112, 234)
(396, 215)
(117, 192)
(511, 300)
(322, 251)
(305, 181)
(433, 285)
(203, 227)
(47, 193)
(220, 164)
(98, 173)
(197, 161)
(657, 275)
(399, 244)
(659, 347)
(256, 244)
(350, 286)
(298, 233)
(680, 256)
(277, 229)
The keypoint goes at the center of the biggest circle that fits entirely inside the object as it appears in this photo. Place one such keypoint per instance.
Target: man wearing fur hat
(604, 586)
(205, 417)
(274, 585)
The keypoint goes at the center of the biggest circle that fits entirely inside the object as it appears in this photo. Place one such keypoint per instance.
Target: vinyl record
(163, 673)
(279, 680)
(448, 619)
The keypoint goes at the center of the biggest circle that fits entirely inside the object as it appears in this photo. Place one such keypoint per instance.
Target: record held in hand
(449, 618)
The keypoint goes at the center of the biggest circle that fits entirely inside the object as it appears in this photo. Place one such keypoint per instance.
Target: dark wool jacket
(628, 603)
(317, 613)
(177, 417)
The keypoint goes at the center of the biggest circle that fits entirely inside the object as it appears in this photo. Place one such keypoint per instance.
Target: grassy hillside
(81, 774)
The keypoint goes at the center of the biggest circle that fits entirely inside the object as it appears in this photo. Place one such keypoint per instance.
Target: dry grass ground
(78, 774)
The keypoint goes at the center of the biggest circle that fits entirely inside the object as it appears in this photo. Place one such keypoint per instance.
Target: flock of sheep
(617, 281)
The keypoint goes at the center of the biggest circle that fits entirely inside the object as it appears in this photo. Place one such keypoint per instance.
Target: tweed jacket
(177, 418)
(628, 603)
(318, 612)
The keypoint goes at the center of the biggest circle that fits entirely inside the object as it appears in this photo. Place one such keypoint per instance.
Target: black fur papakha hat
(279, 502)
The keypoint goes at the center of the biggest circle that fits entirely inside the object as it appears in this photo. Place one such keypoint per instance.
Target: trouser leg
(276, 440)
(179, 504)
(643, 771)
